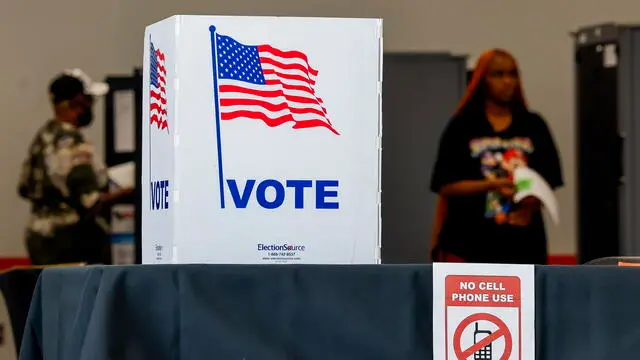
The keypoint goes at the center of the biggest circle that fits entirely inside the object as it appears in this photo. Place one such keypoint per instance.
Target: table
(303, 312)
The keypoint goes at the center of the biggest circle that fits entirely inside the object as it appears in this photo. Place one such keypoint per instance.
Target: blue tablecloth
(304, 312)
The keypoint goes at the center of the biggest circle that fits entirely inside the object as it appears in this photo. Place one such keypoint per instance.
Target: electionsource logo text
(284, 247)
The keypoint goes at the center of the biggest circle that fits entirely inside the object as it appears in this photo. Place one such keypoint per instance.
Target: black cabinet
(420, 93)
(606, 137)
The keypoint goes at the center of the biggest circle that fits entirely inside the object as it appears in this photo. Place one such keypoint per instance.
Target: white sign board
(261, 140)
(483, 311)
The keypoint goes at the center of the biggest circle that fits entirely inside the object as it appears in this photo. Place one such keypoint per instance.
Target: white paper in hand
(123, 175)
(530, 183)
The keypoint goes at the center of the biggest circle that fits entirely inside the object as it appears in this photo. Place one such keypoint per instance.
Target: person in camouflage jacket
(66, 184)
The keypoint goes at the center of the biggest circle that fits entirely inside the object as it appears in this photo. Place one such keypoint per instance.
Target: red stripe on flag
(160, 56)
(289, 76)
(297, 88)
(162, 124)
(270, 106)
(283, 66)
(158, 108)
(266, 93)
(288, 55)
(158, 97)
(289, 87)
(277, 121)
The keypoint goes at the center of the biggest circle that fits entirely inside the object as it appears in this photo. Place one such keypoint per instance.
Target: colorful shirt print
(499, 158)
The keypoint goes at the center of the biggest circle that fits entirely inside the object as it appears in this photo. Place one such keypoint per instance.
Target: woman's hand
(504, 186)
(520, 217)
(523, 214)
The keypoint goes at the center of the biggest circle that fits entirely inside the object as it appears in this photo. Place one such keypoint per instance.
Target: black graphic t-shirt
(476, 227)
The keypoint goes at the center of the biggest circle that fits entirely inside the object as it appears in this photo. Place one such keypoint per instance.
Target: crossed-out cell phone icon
(485, 352)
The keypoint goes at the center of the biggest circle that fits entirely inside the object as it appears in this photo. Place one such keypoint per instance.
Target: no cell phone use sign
(483, 312)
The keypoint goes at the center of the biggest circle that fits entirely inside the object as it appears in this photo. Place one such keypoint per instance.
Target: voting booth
(261, 140)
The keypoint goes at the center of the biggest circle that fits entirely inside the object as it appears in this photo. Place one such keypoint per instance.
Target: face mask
(85, 118)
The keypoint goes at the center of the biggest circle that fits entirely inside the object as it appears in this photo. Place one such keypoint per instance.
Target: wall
(106, 38)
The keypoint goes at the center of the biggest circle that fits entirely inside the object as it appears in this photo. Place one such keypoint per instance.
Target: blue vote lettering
(160, 195)
(326, 193)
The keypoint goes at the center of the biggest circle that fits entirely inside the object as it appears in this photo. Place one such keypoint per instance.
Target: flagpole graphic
(214, 66)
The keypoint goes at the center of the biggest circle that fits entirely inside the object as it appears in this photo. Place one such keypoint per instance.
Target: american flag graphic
(264, 83)
(157, 89)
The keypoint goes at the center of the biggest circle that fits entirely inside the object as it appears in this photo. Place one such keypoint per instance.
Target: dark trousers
(84, 242)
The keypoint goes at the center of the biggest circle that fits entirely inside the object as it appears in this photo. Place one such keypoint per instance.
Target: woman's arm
(463, 188)
(472, 187)
(531, 203)
(524, 211)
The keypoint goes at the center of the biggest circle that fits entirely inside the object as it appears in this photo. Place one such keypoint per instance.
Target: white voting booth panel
(261, 140)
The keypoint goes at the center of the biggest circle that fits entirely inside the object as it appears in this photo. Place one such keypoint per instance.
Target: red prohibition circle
(503, 330)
